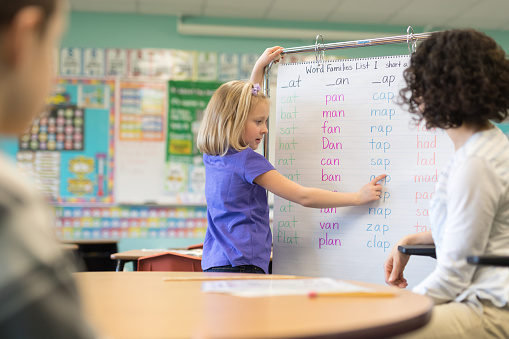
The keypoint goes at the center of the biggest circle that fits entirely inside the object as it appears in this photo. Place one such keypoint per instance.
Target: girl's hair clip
(256, 88)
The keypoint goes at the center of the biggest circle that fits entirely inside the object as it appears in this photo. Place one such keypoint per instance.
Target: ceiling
(480, 14)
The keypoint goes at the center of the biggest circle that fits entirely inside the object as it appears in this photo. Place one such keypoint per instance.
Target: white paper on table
(274, 287)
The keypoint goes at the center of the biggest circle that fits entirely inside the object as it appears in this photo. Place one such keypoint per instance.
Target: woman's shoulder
(491, 148)
(485, 156)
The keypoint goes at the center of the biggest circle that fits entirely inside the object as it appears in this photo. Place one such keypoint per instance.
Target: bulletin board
(157, 161)
(339, 126)
(68, 149)
(185, 172)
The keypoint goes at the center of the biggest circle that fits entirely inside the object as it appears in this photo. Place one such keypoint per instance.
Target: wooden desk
(133, 255)
(142, 305)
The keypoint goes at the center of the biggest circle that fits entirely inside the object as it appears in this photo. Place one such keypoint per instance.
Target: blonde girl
(238, 237)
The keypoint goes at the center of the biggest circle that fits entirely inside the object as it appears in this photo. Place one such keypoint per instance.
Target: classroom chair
(422, 250)
(170, 261)
(493, 260)
(429, 250)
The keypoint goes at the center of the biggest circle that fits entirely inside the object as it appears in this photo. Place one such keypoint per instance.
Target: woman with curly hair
(458, 80)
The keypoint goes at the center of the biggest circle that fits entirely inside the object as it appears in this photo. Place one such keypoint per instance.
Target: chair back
(170, 261)
(195, 246)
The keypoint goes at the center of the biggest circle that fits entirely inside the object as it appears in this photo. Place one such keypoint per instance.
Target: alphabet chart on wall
(339, 126)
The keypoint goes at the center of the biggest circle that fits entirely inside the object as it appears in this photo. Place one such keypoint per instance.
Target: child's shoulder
(247, 154)
(251, 154)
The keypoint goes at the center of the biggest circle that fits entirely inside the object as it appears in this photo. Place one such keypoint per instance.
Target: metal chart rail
(319, 49)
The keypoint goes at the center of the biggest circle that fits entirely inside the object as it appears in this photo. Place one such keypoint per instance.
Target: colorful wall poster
(183, 64)
(93, 62)
(116, 62)
(247, 62)
(228, 67)
(114, 222)
(44, 169)
(206, 66)
(70, 61)
(160, 63)
(185, 174)
(58, 128)
(146, 62)
(68, 149)
(142, 111)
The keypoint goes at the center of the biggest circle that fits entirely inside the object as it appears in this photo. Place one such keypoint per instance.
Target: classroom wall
(157, 31)
(115, 30)
(111, 30)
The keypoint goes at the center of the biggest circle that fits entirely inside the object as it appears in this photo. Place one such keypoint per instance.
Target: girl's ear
(19, 38)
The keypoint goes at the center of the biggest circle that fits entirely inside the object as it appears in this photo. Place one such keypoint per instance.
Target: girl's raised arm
(266, 58)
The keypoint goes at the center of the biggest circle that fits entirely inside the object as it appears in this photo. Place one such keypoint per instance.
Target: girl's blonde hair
(225, 118)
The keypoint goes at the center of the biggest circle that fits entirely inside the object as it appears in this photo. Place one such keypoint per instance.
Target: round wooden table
(143, 305)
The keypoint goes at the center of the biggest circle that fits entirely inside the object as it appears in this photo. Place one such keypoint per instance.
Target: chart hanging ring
(411, 40)
(319, 50)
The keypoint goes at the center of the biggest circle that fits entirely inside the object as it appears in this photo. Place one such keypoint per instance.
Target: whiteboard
(156, 157)
(338, 125)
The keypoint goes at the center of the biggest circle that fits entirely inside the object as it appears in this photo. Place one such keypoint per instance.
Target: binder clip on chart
(411, 40)
(319, 50)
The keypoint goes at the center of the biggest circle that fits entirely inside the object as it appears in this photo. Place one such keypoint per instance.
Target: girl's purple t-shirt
(238, 231)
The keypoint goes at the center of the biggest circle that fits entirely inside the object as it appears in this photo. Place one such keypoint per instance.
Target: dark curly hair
(460, 77)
